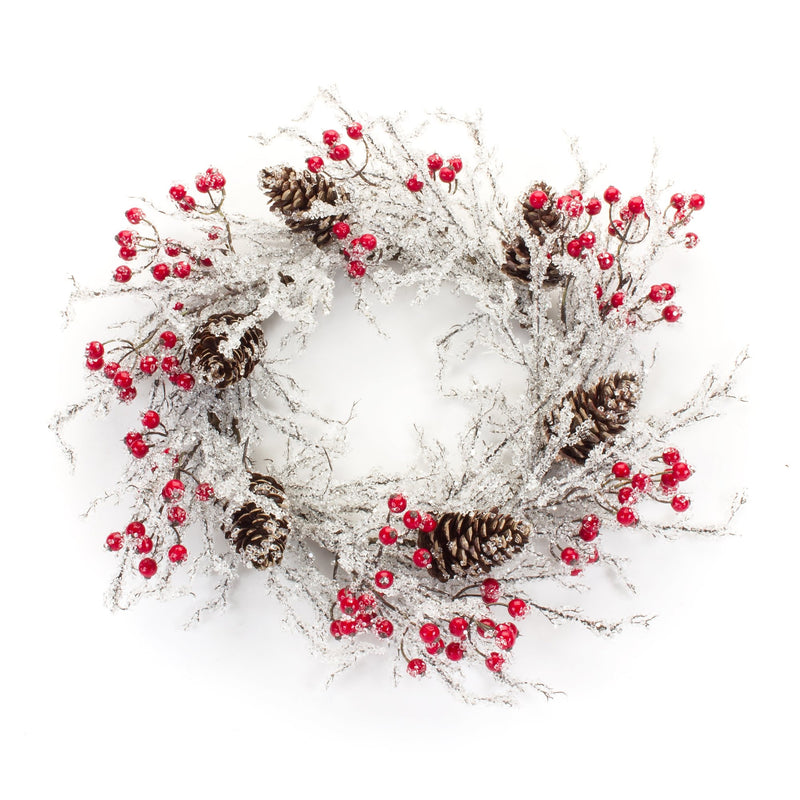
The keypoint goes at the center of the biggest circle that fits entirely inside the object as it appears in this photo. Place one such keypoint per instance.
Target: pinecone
(545, 220)
(293, 194)
(607, 404)
(257, 534)
(518, 264)
(468, 544)
(218, 369)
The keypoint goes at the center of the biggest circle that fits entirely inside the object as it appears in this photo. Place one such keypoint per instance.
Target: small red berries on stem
(435, 162)
(672, 313)
(314, 164)
(490, 590)
(590, 528)
(517, 608)
(204, 492)
(447, 175)
(537, 199)
(495, 662)
(569, 555)
(177, 553)
(611, 195)
(416, 667)
(421, 558)
(429, 633)
(454, 651)
(148, 567)
(384, 579)
(150, 419)
(458, 626)
(114, 541)
(341, 152)
(354, 131)
(412, 520)
(387, 535)
(414, 184)
(627, 516)
(397, 504)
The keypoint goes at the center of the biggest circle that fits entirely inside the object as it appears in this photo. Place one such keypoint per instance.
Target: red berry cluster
(135, 534)
(337, 150)
(358, 613)
(212, 180)
(661, 293)
(446, 174)
(412, 520)
(682, 210)
(357, 252)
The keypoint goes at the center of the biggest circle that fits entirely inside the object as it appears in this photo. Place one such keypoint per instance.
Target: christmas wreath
(438, 568)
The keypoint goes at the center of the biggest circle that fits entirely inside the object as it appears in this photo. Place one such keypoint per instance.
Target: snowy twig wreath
(561, 289)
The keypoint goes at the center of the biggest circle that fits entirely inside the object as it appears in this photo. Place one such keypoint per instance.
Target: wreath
(438, 568)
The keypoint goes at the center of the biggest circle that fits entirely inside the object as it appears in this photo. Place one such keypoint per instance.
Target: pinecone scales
(465, 545)
(206, 354)
(292, 194)
(259, 536)
(607, 404)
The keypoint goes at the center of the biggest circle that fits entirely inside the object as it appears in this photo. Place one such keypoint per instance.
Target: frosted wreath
(562, 288)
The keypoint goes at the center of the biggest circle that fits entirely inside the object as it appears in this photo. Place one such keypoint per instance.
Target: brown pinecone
(518, 264)
(257, 534)
(467, 544)
(217, 369)
(545, 220)
(292, 195)
(607, 404)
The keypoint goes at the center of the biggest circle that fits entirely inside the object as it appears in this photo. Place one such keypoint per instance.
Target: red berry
(126, 238)
(114, 541)
(576, 194)
(173, 490)
(697, 201)
(94, 350)
(669, 291)
(626, 214)
(677, 201)
(203, 183)
(617, 299)
(504, 636)
(429, 633)
(669, 482)
(94, 364)
(314, 164)
(517, 608)
(384, 579)
(368, 241)
(150, 419)
(217, 178)
(672, 313)
(123, 379)
(122, 274)
(204, 491)
(187, 204)
(356, 269)
(447, 175)
(181, 269)
(347, 627)
(148, 567)
(160, 271)
(185, 381)
(458, 627)
(168, 339)
(486, 628)
(490, 590)
(569, 555)
(454, 651)
(494, 662)
(574, 248)
(421, 558)
(427, 523)
(626, 496)
(593, 557)
(329, 138)
(110, 369)
(456, 164)
(621, 469)
(177, 553)
(593, 207)
(177, 192)
(144, 545)
(345, 591)
(537, 199)
(671, 456)
(340, 230)
(615, 228)
(571, 205)
(611, 195)
(397, 503)
(172, 248)
(682, 471)
(215, 233)
(134, 215)
(387, 535)
(587, 240)
(336, 629)
(627, 516)
(412, 520)
(434, 162)
(414, 184)
(680, 502)
(690, 241)
(657, 293)
(135, 528)
(383, 627)
(435, 647)
(348, 604)
(590, 528)
(341, 152)
(641, 482)
(636, 205)
(598, 291)
(148, 364)
(416, 667)
(605, 260)
(170, 364)
(176, 515)
(354, 130)
(127, 253)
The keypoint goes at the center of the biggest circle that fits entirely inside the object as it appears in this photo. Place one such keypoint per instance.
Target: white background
(106, 100)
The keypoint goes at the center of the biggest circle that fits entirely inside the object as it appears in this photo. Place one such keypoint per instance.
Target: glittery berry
(593, 207)
(435, 647)
(626, 496)
(669, 291)
(204, 491)
(384, 627)
(387, 535)
(412, 520)
(505, 636)
(181, 269)
(587, 240)
(490, 590)
(458, 626)
(621, 469)
(135, 528)
(641, 482)
(348, 604)
(671, 456)
(330, 137)
(537, 199)
(429, 633)
(636, 205)
(341, 230)
(354, 130)
(150, 419)
(185, 381)
(397, 503)
(454, 651)
(617, 299)
(421, 558)
(144, 545)
(682, 471)
(160, 271)
(672, 313)
(356, 269)
(627, 516)
(170, 364)
(677, 201)
(176, 515)
(368, 241)
(94, 364)
(384, 579)
(94, 350)
(148, 567)
(569, 555)
(341, 152)
(168, 339)
(517, 608)
(611, 195)
(605, 260)
(123, 379)
(495, 662)
(574, 248)
(416, 667)
(669, 482)
(435, 162)
(456, 164)
(427, 523)
(697, 201)
(148, 364)
(414, 184)
(590, 528)
(314, 164)
(447, 175)
(114, 541)
(690, 240)
(680, 502)
(122, 274)
(177, 192)
(110, 369)
(173, 490)
(486, 628)
(347, 627)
